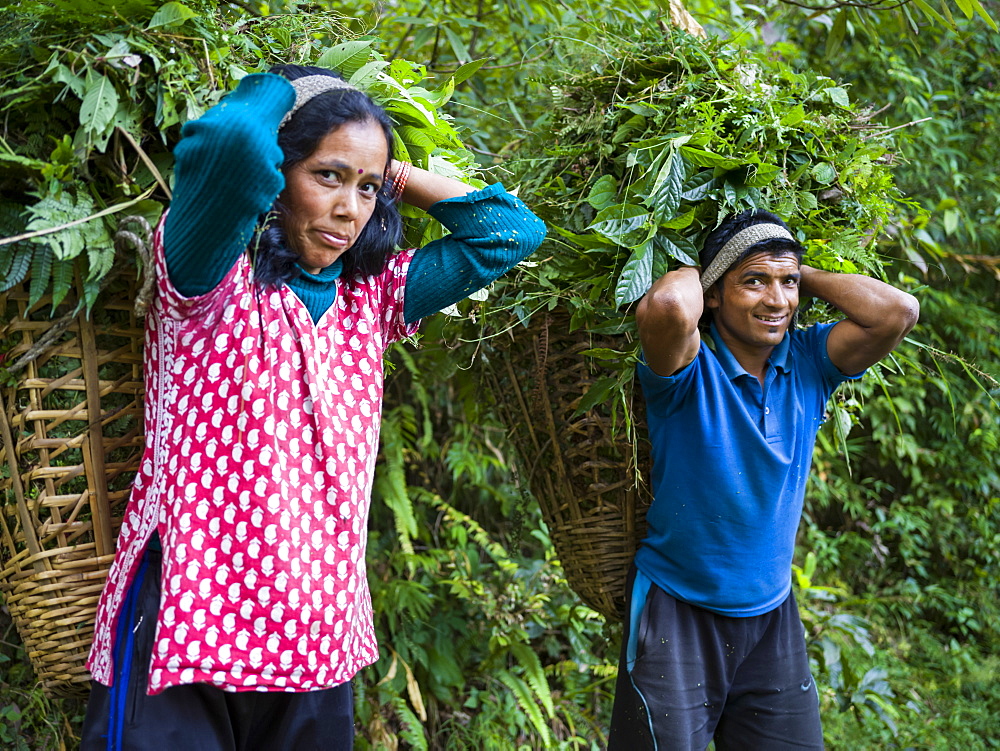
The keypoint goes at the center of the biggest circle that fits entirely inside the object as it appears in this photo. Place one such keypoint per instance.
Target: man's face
(752, 305)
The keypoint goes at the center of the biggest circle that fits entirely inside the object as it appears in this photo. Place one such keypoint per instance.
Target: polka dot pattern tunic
(262, 434)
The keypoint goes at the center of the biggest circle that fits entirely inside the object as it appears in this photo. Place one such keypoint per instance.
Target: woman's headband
(309, 86)
(737, 244)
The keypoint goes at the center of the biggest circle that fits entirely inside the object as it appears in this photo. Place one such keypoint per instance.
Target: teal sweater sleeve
(491, 231)
(227, 173)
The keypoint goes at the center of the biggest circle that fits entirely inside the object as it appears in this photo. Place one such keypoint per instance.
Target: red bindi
(360, 171)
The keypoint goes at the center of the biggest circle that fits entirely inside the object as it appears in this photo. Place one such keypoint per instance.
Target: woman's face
(330, 195)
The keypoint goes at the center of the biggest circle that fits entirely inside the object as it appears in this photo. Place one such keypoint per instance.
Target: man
(714, 647)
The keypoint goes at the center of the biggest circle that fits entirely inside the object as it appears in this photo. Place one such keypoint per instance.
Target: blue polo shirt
(730, 464)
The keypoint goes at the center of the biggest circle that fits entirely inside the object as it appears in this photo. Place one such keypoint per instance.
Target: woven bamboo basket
(588, 474)
(72, 437)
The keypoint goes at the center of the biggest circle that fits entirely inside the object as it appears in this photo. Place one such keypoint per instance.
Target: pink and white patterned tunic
(262, 433)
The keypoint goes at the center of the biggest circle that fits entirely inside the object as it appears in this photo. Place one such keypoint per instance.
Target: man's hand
(668, 318)
(878, 316)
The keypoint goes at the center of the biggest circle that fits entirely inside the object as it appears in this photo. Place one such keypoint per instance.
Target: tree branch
(874, 5)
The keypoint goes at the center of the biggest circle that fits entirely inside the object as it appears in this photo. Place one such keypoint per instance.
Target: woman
(237, 609)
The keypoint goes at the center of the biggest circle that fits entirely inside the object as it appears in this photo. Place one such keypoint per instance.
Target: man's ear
(713, 296)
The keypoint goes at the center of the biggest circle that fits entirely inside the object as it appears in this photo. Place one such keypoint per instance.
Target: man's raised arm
(878, 316)
(668, 318)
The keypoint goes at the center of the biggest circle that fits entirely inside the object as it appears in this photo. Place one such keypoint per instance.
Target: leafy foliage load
(650, 146)
(94, 95)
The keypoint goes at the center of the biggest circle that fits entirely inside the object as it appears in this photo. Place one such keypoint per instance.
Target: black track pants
(694, 676)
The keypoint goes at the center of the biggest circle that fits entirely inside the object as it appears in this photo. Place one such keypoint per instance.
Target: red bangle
(399, 181)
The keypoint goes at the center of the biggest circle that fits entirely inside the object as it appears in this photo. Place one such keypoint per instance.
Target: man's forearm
(868, 302)
(878, 316)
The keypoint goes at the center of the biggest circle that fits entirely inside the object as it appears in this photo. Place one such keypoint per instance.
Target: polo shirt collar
(731, 366)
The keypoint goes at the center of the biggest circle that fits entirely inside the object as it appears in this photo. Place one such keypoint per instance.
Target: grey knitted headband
(309, 86)
(738, 243)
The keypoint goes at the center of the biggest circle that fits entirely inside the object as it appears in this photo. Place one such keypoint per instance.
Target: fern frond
(392, 483)
(495, 550)
(412, 730)
(528, 660)
(41, 270)
(523, 695)
(62, 281)
(19, 266)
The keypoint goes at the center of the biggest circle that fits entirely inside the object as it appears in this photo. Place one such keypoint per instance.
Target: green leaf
(762, 174)
(467, 70)
(406, 73)
(100, 102)
(12, 158)
(418, 144)
(838, 95)
(836, 35)
(346, 58)
(665, 197)
(637, 276)
(100, 259)
(699, 186)
(91, 289)
(53, 212)
(171, 14)
(680, 221)
(75, 83)
(602, 192)
(528, 659)
(457, 45)
(635, 124)
(618, 221)
(637, 108)
(527, 703)
(435, 98)
(704, 158)
(978, 6)
(603, 353)
(365, 76)
(408, 112)
(794, 116)
(823, 173)
(600, 392)
(405, 104)
(679, 248)
(966, 6)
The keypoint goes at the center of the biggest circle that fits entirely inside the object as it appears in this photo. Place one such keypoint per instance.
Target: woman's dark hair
(730, 226)
(275, 263)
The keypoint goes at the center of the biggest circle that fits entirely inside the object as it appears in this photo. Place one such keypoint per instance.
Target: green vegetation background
(483, 644)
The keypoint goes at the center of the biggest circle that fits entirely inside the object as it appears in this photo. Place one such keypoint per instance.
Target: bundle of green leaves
(93, 94)
(652, 138)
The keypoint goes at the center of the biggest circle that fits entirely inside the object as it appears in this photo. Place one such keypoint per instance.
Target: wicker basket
(72, 426)
(589, 477)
